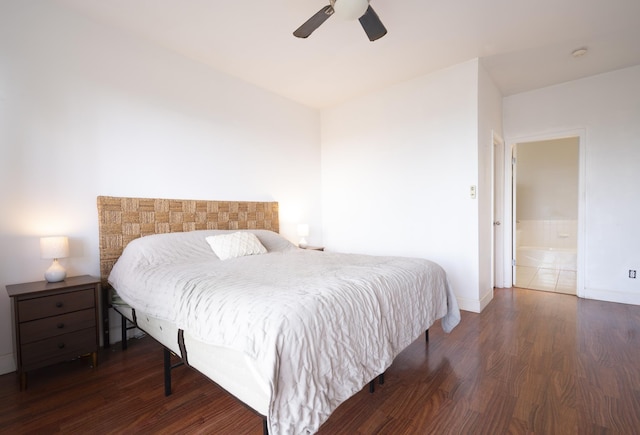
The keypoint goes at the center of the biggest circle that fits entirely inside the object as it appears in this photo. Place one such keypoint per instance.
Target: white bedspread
(323, 324)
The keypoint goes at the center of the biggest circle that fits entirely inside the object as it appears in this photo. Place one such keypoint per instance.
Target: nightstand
(55, 322)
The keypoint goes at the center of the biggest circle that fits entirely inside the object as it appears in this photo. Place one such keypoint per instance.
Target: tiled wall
(556, 234)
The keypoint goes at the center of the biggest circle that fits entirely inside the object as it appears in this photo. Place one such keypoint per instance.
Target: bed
(291, 333)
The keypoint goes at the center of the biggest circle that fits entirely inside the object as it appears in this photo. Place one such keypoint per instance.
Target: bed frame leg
(124, 332)
(265, 426)
(167, 372)
(426, 336)
(372, 384)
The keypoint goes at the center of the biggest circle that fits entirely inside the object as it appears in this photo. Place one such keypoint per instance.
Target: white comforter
(323, 324)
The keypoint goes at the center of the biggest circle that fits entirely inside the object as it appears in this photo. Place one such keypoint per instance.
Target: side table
(55, 322)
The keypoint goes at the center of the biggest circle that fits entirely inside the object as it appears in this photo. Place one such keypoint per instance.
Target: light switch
(472, 192)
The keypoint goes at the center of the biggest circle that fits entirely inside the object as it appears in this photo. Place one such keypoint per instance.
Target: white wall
(607, 107)
(86, 110)
(397, 166)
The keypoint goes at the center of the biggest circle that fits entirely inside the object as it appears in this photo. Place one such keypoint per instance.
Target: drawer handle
(61, 346)
(59, 304)
(60, 325)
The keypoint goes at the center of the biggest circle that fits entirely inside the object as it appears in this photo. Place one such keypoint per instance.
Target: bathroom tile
(545, 279)
(567, 282)
(568, 265)
(547, 274)
(524, 275)
(546, 260)
(549, 259)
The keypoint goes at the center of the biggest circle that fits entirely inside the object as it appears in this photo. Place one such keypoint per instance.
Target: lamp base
(55, 273)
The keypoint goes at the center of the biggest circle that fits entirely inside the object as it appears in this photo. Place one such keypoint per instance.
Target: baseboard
(484, 301)
(7, 363)
(475, 305)
(612, 296)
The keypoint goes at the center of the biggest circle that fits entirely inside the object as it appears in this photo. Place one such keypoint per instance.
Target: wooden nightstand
(55, 322)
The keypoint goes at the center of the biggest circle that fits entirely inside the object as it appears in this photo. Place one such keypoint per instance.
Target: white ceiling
(524, 44)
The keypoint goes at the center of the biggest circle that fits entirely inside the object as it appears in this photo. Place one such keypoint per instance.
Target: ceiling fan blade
(314, 22)
(372, 25)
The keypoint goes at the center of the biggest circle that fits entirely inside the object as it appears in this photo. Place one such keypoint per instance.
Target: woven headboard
(121, 220)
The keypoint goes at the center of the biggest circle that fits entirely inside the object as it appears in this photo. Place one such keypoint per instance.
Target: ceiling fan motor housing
(350, 9)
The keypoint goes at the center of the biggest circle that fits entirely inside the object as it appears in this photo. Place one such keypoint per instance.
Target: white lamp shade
(54, 247)
(303, 230)
(350, 9)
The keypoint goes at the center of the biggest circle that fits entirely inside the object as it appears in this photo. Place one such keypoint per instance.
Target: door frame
(509, 218)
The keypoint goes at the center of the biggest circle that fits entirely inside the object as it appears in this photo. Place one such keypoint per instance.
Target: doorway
(545, 198)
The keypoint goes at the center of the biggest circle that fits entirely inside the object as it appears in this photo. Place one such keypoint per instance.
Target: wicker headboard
(121, 220)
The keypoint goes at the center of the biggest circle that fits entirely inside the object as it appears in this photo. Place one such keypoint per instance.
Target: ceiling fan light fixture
(350, 9)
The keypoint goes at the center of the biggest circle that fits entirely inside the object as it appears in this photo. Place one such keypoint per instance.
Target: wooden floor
(532, 362)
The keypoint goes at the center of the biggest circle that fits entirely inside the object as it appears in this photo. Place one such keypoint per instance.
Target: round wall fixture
(579, 52)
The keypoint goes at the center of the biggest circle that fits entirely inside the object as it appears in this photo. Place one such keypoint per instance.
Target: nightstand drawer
(57, 349)
(47, 306)
(57, 325)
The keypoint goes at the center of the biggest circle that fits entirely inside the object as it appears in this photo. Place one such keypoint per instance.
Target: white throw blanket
(323, 324)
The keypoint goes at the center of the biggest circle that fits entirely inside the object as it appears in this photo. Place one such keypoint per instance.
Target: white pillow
(233, 245)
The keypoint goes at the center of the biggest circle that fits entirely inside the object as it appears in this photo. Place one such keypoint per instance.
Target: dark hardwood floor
(532, 362)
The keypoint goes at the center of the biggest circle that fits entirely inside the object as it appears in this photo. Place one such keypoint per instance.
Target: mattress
(312, 328)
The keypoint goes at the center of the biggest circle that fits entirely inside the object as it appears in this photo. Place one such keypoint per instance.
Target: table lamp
(303, 232)
(55, 248)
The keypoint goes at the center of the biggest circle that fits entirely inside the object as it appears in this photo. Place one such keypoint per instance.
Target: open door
(498, 212)
(514, 220)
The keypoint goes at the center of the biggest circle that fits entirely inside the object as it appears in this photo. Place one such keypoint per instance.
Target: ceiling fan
(347, 9)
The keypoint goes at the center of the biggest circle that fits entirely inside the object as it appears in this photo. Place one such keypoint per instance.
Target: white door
(498, 212)
(514, 220)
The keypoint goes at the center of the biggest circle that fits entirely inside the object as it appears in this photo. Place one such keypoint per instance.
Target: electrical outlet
(632, 273)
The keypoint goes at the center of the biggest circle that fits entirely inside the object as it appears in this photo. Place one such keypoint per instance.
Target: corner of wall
(475, 306)
(484, 300)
